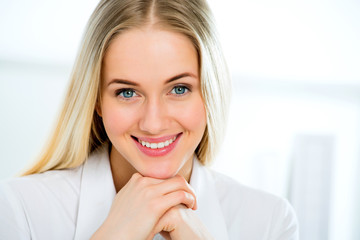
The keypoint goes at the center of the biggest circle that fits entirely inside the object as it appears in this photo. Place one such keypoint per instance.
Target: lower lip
(157, 152)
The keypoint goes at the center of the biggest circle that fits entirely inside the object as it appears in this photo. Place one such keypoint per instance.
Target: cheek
(117, 120)
(193, 117)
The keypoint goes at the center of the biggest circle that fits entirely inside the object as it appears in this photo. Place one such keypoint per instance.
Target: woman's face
(151, 105)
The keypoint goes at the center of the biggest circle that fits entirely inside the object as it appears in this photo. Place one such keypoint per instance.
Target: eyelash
(187, 89)
(122, 90)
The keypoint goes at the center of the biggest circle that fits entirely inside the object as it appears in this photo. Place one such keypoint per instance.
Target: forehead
(149, 53)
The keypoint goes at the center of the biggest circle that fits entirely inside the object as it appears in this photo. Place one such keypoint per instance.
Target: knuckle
(142, 181)
(147, 193)
(135, 176)
(181, 180)
(181, 196)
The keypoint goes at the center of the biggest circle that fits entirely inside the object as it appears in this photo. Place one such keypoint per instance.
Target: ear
(98, 108)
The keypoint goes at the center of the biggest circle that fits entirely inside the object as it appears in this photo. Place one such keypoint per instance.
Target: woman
(144, 113)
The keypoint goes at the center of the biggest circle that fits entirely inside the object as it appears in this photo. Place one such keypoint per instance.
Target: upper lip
(158, 139)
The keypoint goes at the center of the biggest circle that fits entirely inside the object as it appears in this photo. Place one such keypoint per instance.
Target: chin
(159, 172)
(159, 175)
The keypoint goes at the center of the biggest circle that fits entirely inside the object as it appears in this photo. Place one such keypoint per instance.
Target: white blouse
(73, 203)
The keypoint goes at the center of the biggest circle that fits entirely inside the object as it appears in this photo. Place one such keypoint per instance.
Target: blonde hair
(79, 130)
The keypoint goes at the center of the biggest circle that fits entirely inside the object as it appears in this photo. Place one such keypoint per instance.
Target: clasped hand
(146, 206)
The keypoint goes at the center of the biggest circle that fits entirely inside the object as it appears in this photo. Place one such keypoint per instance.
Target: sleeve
(284, 222)
(13, 222)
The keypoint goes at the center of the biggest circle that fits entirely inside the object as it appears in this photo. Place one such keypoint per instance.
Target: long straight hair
(79, 130)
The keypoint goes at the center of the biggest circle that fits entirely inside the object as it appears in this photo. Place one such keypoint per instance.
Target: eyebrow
(128, 82)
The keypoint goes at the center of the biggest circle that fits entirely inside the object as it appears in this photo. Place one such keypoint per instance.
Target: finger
(163, 227)
(158, 206)
(179, 197)
(175, 184)
(138, 180)
(168, 222)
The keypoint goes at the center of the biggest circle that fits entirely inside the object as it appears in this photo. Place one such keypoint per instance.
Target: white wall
(31, 95)
(260, 149)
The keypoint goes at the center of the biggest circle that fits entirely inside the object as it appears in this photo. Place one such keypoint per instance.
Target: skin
(153, 192)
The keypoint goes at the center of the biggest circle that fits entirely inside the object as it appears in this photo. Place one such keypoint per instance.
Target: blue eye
(126, 93)
(179, 90)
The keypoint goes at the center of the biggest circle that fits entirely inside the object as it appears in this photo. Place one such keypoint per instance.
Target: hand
(139, 205)
(181, 223)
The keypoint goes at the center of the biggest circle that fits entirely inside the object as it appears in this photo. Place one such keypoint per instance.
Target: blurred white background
(294, 123)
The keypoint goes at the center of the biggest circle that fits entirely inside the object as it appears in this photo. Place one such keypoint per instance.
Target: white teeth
(157, 145)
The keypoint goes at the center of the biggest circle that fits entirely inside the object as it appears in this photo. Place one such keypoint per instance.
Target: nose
(154, 118)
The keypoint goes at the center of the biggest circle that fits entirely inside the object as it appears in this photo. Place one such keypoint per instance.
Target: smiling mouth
(158, 146)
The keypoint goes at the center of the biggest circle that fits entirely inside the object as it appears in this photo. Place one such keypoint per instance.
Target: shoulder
(67, 180)
(256, 211)
(38, 200)
(229, 189)
(55, 181)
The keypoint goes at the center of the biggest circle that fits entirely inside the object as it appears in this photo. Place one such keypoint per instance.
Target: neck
(122, 170)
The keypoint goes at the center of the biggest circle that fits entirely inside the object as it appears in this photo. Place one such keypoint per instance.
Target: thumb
(164, 226)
